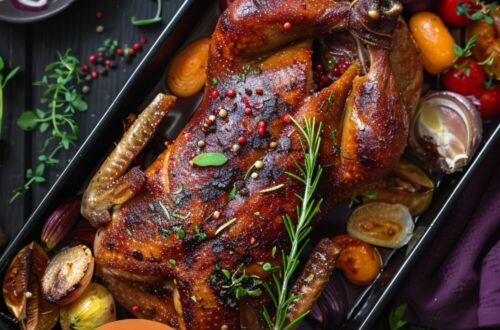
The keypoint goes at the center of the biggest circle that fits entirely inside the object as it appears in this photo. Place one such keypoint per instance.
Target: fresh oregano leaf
(27, 121)
(210, 159)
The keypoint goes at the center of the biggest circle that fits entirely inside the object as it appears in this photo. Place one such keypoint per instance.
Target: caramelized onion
(381, 224)
(446, 130)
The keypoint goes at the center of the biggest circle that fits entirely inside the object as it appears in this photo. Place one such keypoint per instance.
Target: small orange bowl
(134, 324)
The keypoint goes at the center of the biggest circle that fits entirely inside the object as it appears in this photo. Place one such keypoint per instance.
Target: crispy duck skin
(162, 229)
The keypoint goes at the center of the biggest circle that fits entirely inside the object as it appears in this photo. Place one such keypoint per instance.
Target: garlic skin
(446, 130)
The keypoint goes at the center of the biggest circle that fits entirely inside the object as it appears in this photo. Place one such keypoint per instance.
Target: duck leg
(111, 185)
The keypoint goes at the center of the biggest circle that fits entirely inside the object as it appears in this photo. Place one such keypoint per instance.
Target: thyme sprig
(298, 232)
(147, 21)
(62, 99)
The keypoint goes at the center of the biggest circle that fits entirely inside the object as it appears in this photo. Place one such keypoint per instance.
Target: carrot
(434, 40)
(186, 75)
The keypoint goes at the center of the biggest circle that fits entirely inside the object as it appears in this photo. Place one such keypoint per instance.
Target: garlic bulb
(446, 130)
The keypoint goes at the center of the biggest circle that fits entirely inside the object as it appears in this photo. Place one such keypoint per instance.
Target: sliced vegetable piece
(92, 309)
(434, 40)
(67, 275)
(407, 184)
(186, 75)
(381, 224)
(446, 130)
(21, 289)
(41, 315)
(16, 281)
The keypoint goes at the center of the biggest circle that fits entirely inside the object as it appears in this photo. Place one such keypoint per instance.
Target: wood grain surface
(32, 47)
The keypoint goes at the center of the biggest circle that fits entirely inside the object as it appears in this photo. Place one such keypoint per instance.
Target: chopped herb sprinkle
(277, 187)
(172, 262)
(225, 225)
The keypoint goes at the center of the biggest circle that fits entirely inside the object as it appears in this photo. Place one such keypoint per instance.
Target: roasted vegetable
(381, 224)
(465, 78)
(186, 75)
(359, 261)
(67, 275)
(21, 287)
(434, 40)
(488, 42)
(93, 308)
(407, 184)
(446, 130)
(60, 222)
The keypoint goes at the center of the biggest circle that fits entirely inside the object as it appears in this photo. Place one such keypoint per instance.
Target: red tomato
(490, 102)
(456, 79)
(447, 10)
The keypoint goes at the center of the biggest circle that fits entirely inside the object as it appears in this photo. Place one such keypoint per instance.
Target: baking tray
(194, 19)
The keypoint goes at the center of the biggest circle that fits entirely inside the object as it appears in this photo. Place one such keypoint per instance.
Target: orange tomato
(434, 40)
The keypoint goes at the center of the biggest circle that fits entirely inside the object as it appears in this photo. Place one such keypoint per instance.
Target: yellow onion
(446, 130)
(92, 309)
(381, 224)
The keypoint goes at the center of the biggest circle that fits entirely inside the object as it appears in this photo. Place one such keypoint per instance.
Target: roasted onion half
(446, 130)
(68, 275)
(407, 184)
(382, 224)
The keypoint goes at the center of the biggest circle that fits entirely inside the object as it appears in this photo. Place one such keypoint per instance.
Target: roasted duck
(166, 234)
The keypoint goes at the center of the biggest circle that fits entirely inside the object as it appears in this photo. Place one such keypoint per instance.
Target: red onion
(446, 130)
(31, 5)
(60, 222)
(330, 310)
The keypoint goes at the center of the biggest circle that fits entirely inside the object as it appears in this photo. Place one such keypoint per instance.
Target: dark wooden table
(35, 45)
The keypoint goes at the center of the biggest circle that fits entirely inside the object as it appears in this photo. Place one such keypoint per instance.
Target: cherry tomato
(447, 10)
(456, 79)
(490, 102)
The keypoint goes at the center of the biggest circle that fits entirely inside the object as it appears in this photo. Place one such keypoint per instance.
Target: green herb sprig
(298, 232)
(62, 100)
(242, 283)
(141, 22)
(481, 14)
(3, 83)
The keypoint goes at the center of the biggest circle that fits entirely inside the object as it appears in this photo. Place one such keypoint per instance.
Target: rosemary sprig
(3, 83)
(147, 21)
(62, 100)
(298, 232)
